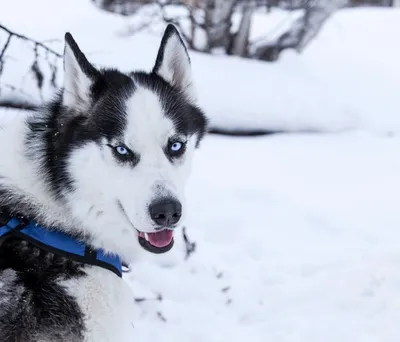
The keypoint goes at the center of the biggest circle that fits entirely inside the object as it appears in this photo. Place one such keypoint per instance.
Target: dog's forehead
(146, 121)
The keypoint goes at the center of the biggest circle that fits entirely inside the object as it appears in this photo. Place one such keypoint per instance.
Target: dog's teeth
(146, 236)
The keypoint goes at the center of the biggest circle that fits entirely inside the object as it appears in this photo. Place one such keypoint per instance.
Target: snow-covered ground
(297, 235)
(298, 241)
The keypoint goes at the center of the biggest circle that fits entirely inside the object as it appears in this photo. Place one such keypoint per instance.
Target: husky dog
(104, 165)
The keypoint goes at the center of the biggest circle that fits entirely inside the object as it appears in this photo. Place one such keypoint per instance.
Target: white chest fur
(107, 303)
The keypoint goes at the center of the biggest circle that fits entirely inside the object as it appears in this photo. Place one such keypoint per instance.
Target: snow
(300, 230)
(341, 81)
(297, 234)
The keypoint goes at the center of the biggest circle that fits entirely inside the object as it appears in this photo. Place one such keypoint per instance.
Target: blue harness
(60, 244)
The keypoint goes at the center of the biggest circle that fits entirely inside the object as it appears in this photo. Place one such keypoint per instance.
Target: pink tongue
(160, 239)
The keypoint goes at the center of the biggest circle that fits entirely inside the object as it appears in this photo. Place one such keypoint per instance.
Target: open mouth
(157, 242)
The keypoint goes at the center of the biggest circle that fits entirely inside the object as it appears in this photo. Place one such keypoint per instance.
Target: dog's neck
(22, 184)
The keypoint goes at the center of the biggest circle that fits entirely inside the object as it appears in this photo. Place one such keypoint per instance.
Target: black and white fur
(61, 167)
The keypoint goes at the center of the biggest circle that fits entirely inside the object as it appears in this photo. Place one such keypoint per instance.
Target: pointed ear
(79, 76)
(173, 62)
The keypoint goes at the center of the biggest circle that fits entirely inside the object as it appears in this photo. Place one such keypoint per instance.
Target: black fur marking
(64, 129)
(188, 119)
(33, 306)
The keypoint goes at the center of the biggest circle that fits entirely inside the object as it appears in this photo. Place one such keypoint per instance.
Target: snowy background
(297, 233)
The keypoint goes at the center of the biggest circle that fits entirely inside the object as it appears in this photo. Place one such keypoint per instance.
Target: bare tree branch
(43, 69)
(176, 22)
(20, 36)
(303, 30)
(241, 39)
(3, 51)
(17, 105)
(13, 105)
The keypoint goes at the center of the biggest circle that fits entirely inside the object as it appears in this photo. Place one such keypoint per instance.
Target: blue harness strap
(61, 244)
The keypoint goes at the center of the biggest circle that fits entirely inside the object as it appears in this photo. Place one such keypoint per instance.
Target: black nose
(166, 212)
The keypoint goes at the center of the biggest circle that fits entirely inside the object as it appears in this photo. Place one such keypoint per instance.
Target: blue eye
(123, 154)
(121, 150)
(176, 146)
(175, 149)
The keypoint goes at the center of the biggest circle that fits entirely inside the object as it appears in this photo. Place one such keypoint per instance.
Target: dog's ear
(173, 62)
(79, 75)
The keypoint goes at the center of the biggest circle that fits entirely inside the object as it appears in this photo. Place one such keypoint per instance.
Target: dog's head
(124, 146)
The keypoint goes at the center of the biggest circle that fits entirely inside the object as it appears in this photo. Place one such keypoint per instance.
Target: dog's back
(33, 304)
